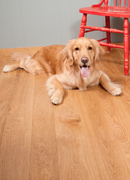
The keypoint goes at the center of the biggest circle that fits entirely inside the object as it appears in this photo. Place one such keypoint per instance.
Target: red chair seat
(107, 11)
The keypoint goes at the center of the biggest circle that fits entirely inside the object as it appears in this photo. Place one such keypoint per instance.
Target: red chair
(102, 9)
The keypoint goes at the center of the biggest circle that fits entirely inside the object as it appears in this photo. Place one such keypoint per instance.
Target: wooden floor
(87, 137)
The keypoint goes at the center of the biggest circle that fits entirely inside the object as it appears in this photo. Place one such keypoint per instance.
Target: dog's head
(84, 52)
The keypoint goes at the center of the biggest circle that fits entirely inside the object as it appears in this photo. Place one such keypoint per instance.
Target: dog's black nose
(84, 59)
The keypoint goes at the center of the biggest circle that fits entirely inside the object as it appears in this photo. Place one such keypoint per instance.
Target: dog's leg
(11, 67)
(108, 85)
(30, 65)
(18, 57)
(55, 90)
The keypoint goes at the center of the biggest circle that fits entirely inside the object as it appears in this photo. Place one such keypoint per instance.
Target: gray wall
(26, 23)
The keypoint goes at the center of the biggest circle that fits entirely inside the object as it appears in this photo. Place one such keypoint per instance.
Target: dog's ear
(99, 51)
(68, 51)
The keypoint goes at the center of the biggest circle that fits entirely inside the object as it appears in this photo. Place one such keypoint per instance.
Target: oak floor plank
(44, 164)
(3, 107)
(16, 138)
(68, 135)
(7, 83)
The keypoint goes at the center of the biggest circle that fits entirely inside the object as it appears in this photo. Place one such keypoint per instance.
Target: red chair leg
(107, 20)
(126, 46)
(83, 23)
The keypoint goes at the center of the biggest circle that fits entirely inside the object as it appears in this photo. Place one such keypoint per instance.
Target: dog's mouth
(84, 70)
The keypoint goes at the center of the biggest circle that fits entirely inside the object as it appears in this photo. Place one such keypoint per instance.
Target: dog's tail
(20, 57)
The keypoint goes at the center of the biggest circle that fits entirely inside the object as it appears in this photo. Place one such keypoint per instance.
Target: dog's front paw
(56, 100)
(57, 97)
(6, 68)
(116, 91)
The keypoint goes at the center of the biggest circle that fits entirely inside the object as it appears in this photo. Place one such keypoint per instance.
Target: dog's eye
(89, 48)
(76, 49)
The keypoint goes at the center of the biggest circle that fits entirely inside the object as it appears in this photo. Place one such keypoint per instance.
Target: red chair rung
(102, 39)
(90, 30)
(103, 29)
(111, 45)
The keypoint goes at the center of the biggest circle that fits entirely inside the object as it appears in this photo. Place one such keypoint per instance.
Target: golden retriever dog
(72, 66)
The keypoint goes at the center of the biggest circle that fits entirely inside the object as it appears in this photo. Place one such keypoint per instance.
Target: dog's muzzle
(84, 67)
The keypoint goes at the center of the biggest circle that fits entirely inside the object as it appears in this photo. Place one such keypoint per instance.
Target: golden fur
(72, 66)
